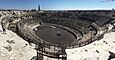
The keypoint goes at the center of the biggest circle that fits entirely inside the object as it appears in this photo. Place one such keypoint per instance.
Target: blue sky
(57, 4)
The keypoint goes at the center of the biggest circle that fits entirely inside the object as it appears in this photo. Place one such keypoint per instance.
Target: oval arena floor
(49, 34)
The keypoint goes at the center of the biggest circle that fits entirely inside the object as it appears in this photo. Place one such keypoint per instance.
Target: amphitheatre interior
(55, 31)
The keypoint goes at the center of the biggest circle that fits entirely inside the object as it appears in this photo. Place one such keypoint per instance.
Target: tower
(39, 8)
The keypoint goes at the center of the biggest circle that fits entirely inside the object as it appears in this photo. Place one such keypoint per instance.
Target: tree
(33, 10)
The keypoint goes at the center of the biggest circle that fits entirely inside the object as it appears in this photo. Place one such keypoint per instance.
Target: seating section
(86, 24)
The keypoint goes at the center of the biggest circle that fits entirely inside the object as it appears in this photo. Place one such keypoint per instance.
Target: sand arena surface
(49, 34)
